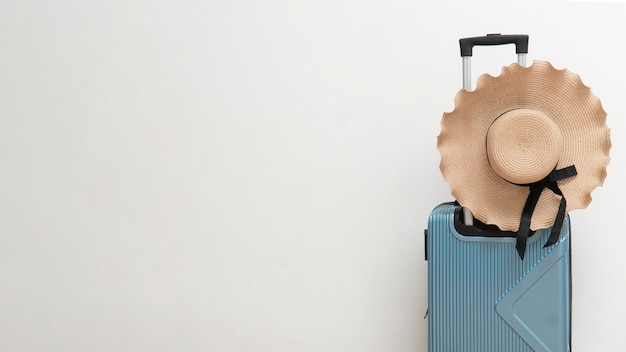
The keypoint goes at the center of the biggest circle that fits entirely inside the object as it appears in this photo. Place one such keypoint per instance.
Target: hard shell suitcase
(481, 296)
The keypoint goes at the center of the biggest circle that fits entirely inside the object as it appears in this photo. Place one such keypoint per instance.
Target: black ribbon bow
(536, 188)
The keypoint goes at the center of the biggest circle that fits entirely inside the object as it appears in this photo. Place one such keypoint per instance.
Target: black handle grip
(520, 41)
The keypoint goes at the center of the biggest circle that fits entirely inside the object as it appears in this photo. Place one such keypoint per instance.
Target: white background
(256, 175)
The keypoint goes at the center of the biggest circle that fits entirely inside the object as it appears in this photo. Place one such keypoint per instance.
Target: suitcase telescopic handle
(467, 44)
(520, 41)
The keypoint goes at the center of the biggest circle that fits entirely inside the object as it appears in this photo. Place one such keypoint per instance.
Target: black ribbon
(536, 188)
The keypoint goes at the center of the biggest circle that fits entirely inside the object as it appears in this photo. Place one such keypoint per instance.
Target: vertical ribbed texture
(467, 278)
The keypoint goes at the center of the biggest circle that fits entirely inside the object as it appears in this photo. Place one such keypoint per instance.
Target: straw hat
(531, 129)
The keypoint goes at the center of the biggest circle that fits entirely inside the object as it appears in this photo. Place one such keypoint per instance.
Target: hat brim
(561, 95)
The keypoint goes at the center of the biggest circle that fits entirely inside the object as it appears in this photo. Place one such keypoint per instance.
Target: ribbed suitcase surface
(482, 297)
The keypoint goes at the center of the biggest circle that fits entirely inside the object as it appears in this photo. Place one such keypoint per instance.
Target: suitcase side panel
(482, 297)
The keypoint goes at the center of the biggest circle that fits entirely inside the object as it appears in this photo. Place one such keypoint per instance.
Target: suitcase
(481, 296)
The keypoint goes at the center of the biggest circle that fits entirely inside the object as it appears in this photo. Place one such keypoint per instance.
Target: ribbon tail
(558, 223)
(535, 192)
(522, 238)
(524, 225)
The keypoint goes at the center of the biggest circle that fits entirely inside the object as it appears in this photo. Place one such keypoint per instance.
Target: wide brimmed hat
(525, 144)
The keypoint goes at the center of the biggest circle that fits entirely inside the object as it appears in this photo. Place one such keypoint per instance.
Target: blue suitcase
(482, 297)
